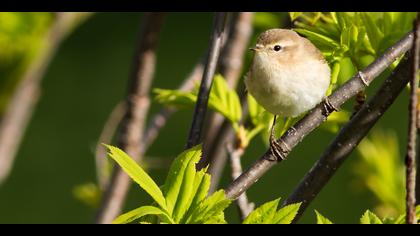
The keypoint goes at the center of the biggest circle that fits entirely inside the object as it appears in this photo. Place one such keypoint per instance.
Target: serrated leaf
(209, 208)
(137, 174)
(175, 179)
(370, 218)
(187, 187)
(140, 212)
(263, 214)
(320, 219)
(286, 214)
(200, 190)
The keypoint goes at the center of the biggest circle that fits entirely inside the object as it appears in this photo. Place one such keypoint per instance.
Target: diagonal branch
(132, 126)
(348, 138)
(410, 159)
(207, 79)
(22, 103)
(316, 116)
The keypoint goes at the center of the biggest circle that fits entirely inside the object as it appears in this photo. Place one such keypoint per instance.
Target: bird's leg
(328, 107)
(275, 147)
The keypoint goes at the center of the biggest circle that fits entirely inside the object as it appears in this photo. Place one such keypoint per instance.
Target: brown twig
(410, 158)
(316, 116)
(132, 126)
(23, 101)
(219, 130)
(218, 155)
(207, 79)
(244, 206)
(106, 136)
(348, 139)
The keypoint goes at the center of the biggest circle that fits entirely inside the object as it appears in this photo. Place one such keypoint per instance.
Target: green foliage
(357, 37)
(222, 99)
(21, 37)
(380, 169)
(183, 196)
(320, 219)
(268, 213)
(370, 218)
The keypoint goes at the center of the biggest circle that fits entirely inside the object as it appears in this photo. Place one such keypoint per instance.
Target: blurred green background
(87, 78)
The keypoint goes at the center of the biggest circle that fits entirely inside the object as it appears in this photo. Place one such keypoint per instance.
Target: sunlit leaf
(181, 171)
(137, 174)
(210, 210)
(320, 219)
(263, 214)
(370, 218)
(140, 212)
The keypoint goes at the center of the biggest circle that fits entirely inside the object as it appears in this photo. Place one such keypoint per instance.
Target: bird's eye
(277, 48)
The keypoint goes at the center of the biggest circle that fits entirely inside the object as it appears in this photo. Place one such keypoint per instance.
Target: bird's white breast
(288, 90)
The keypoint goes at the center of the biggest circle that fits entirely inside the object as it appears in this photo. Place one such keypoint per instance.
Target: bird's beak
(256, 48)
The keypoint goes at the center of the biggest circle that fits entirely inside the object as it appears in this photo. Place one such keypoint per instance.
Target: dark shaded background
(86, 80)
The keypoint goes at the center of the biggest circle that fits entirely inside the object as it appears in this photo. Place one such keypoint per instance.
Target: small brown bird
(288, 76)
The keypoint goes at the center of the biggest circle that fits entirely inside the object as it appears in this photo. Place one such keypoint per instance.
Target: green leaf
(180, 172)
(372, 30)
(266, 20)
(318, 39)
(264, 214)
(137, 174)
(286, 214)
(175, 98)
(294, 15)
(200, 190)
(320, 219)
(401, 218)
(225, 100)
(140, 212)
(210, 209)
(257, 113)
(186, 192)
(370, 218)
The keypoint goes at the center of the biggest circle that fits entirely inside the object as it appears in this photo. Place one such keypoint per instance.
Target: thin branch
(244, 206)
(348, 139)
(22, 103)
(217, 155)
(106, 136)
(137, 104)
(207, 79)
(316, 116)
(231, 63)
(410, 159)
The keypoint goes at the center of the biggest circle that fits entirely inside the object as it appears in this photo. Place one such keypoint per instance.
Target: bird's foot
(278, 151)
(328, 107)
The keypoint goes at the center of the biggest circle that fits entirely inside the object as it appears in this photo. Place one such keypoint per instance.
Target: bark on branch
(316, 116)
(207, 79)
(132, 126)
(410, 159)
(348, 139)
